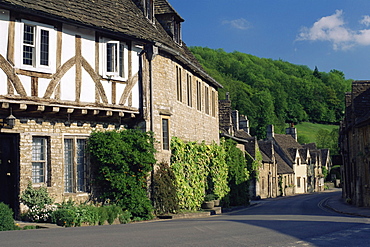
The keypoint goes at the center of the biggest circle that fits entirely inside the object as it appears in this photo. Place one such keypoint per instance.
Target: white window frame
(40, 157)
(36, 65)
(115, 74)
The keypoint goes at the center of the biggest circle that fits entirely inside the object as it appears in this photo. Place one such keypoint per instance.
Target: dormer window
(177, 32)
(149, 9)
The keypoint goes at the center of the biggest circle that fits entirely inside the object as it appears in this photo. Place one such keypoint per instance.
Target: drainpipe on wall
(152, 51)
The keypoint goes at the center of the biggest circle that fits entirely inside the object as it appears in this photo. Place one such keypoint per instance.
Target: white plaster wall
(43, 84)
(87, 88)
(301, 171)
(26, 82)
(68, 85)
(4, 25)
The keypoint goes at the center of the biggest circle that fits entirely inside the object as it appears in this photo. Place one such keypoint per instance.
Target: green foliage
(123, 160)
(238, 175)
(6, 218)
(324, 172)
(274, 91)
(217, 181)
(198, 168)
(326, 139)
(302, 139)
(64, 217)
(212, 170)
(125, 217)
(209, 197)
(113, 212)
(69, 214)
(38, 202)
(32, 197)
(164, 194)
(189, 164)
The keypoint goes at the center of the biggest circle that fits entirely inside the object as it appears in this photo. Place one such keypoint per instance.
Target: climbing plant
(218, 171)
(189, 163)
(238, 174)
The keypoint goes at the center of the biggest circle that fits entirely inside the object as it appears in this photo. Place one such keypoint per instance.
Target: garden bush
(38, 202)
(6, 218)
(164, 190)
(123, 160)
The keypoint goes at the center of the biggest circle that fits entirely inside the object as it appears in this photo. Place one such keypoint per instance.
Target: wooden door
(9, 170)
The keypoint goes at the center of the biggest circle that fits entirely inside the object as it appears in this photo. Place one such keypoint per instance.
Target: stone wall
(185, 122)
(55, 131)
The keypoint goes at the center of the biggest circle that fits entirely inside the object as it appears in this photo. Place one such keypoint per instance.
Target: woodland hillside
(274, 91)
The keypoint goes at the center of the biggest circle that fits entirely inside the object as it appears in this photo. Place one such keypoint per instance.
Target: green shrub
(38, 202)
(125, 217)
(29, 227)
(123, 160)
(6, 218)
(102, 215)
(113, 212)
(64, 217)
(164, 190)
(238, 175)
(32, 197)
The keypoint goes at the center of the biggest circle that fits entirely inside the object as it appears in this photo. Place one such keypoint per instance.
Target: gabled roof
(288, 147)
(242, 134)
(266, 150)
(324, 156)
(121, 18)
(162, 7)
(282, 166)
(251, 147)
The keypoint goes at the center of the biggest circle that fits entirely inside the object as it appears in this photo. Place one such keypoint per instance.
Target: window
(115, 59)
(39, 159)
(149, 9)
(199, 96)
(213, 103)
(178, 84)
(189, 90)
(177, 32)
(165, 134)
(298, 182)
(37, 51)
(206, 101)
(75, 165)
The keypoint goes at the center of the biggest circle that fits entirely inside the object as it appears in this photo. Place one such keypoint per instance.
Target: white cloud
(241, 23)
(365, 20)
(333, 29)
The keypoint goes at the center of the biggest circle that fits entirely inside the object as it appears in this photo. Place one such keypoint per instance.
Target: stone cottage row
(286, 167)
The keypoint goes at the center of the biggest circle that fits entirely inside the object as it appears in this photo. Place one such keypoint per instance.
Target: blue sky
(329, 34)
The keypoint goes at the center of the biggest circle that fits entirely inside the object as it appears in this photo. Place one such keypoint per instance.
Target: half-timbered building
(69, 67)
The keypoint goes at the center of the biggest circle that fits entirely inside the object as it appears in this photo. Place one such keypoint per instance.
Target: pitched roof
(117, 17)
(282, 166)
(242, 134)
(266, 150)
(163, 7)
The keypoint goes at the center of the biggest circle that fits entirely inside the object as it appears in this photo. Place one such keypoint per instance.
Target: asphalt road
(294, 221)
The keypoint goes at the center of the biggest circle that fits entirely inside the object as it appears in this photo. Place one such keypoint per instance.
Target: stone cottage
(355, 145)
(68, 68)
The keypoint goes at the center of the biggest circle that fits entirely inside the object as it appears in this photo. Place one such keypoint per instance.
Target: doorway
(9, 170)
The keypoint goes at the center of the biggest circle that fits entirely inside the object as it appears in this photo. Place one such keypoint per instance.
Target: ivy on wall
(189, 164)
(238, 175)
(209, 169)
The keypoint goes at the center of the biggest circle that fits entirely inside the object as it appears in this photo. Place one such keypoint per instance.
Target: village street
(301, 220)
